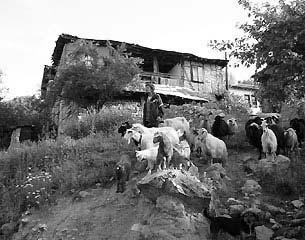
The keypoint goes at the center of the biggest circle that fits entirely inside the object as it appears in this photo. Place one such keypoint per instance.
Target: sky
(29, 29)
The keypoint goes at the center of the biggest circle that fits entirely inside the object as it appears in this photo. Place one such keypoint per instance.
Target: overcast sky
(29, 29)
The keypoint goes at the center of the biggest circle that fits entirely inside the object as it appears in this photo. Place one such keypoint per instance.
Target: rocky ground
(165, 212)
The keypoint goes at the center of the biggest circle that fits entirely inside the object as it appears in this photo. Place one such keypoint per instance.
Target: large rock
(236, 209)
(169, 221)
(263, 233)
(272, 209)
(279, 167)
(182, 185)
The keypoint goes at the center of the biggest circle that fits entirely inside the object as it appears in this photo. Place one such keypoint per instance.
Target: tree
(2, 88)
(274, 40)
(91, 80)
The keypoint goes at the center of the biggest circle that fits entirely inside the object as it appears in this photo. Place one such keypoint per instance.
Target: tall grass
(92, 121)
(31, 173)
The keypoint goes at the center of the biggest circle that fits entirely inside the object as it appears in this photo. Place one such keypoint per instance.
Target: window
(197, 74)
(254, 101)
(87, 60)
(247, 99)
(187, 73)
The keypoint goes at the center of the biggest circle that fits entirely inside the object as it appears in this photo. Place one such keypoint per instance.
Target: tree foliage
(2, 88)
(21, 111)
(273, 40)
(91, 79)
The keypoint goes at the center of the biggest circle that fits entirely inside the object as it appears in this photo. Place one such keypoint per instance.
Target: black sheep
(220, 128)
(122, 172)
(299, 126)
(254, 133)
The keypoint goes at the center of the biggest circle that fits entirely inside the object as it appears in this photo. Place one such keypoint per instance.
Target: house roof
(135, 49)
(176, 91)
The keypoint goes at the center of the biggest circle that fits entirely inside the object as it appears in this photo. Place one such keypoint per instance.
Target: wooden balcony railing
(163, 78)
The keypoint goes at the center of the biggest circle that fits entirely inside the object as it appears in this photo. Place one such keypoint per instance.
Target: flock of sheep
(170, 144)
(271, 139)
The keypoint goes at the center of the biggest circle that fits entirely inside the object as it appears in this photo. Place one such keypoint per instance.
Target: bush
(106, 120)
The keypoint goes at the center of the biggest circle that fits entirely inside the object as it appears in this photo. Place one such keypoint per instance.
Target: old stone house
(178, 77)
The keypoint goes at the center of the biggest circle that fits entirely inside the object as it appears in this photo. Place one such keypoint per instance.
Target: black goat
(123, 128)
(220, 128)
(254, 133)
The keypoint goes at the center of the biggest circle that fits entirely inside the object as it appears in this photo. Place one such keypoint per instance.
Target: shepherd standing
(153, 110)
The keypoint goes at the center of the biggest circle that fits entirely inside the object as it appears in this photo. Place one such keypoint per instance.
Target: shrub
(106, 120)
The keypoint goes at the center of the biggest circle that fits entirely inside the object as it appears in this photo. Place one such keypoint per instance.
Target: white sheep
(150, 155)
(178, 123)
(211, 146)
(233, 127)
(291, 140)
(269, 141)
(172, 134)
(142, 140)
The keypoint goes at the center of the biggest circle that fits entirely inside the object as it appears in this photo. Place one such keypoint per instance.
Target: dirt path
(103, 214)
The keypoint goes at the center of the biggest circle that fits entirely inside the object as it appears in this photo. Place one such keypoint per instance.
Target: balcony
(165, 84)
(163, 78)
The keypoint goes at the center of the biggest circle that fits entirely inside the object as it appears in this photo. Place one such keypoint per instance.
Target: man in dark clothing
(153, 110)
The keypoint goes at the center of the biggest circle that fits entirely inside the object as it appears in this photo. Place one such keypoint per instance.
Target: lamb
(291, 140)
(165, 150)
(122, 172)
(171, 133)
(269, 141)
(150, 155)
(212, 146)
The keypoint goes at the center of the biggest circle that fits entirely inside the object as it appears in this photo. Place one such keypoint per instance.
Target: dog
(236, 226)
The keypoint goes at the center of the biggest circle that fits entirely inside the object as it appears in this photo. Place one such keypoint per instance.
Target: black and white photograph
(152, 120)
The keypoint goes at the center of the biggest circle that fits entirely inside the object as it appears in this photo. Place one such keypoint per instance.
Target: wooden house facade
(176, 75)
